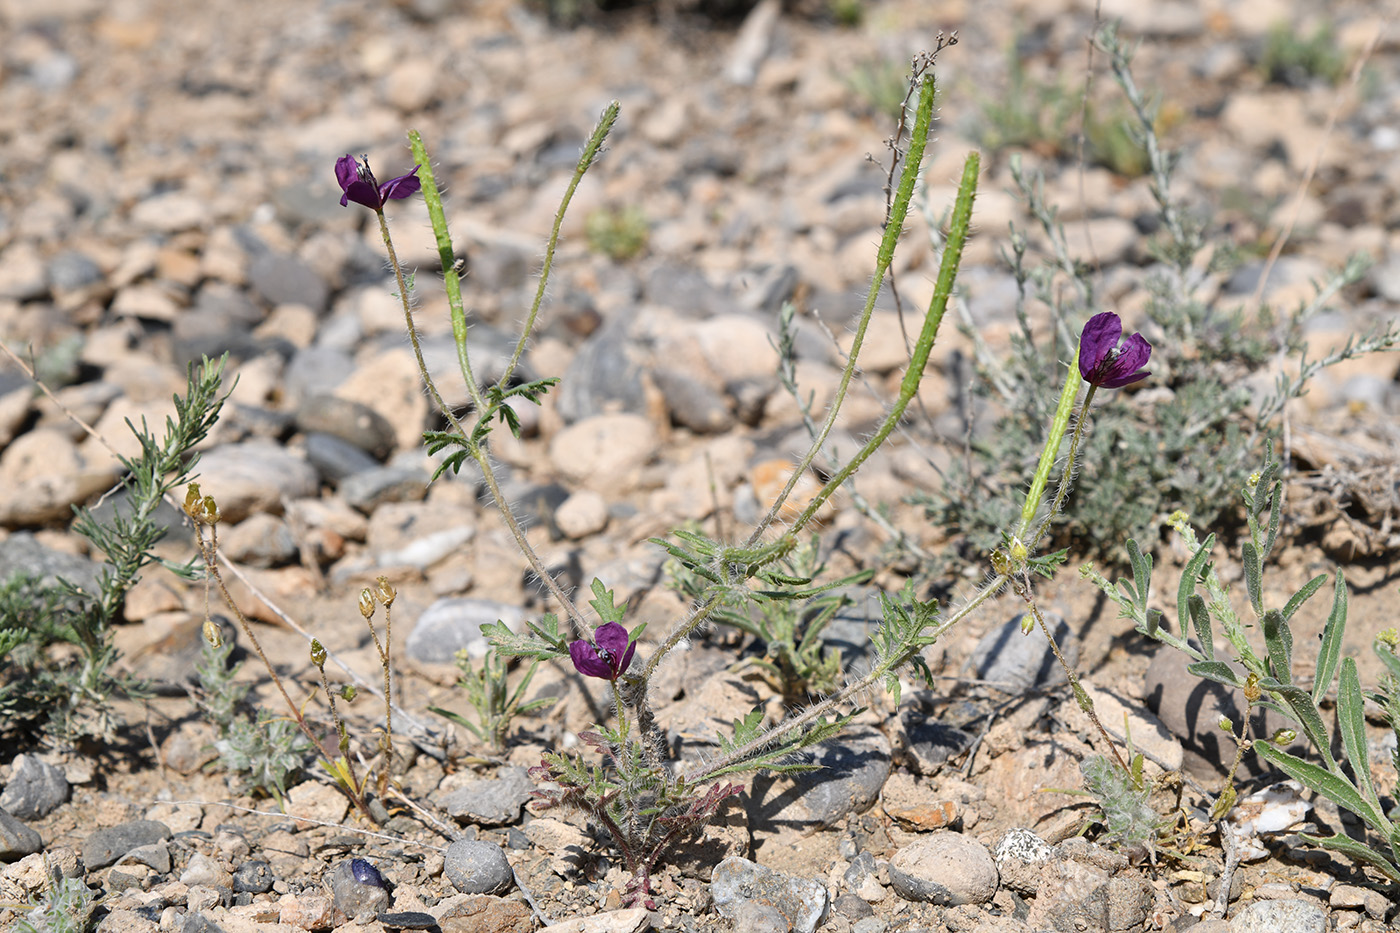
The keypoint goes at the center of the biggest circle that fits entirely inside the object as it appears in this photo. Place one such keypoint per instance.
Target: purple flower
(1102, 362)
(359, 185)
(608, 658)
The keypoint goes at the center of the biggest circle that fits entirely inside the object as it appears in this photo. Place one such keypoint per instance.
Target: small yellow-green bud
(1389, 637)
(1027, 623)
(387, 593)
(367, 603)
(1284, 736)
(1226, 725)
(318, 653)
(1019, 552)
(348, 692)
(193, 507)
(212, 634)
(1251, 688)
(1254, 479)
(211, 510)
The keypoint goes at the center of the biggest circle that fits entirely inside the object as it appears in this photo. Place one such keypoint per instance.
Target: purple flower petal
(362, 192)
(1098, 339)
(587, 661)
(1102, 362)
(612, 638)
(626, 659)
(347, 171)
(402, 187)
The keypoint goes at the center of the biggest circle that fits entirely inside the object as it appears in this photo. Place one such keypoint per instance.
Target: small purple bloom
(360, 186)
(608, 658)
(1105, 364)
(366, 873)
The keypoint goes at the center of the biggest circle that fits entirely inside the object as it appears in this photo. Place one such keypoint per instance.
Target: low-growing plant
(786, 614)
(1186, 446)
(1265, 677)
(68, 693)
(489, 693)
(67, 907)
(265, 751)
(618, 233)
(1031, 114)
(1288, 57)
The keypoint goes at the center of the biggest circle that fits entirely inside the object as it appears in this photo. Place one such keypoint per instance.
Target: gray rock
(686, 289)
(407, 920)
(476, 867)
(370, 489)
(105, 846)
(930, 743)
(450, 625)
(848, 780)
(491, 802)
(853, 908)
(944, 868)
(71, 270)
(260, 541)
(253, 877)
(738, 885)
(34, 790)
(21, 553)
(255, 476)
(16, 839)
(604, 376)
(316, 369)
(1019, 662)
(1019, 855)
(350, 421)
(337, 460)
(692, 403)
(155, 856)
(279, 279)
(356, 899)
(196, 922)
(1280, 917)
(1190, 707)
(869, 925)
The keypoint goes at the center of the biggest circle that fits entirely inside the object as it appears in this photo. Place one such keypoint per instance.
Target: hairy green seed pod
(318, 653)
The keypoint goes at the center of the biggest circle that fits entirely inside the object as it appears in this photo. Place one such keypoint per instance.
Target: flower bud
(192, 504)
(211, 510)
(387, 593)
(1251, 688)
(367, 603)
(1027, 623)
(348, 692)
(212, 635)
(1284, 737)
(318, 653)
(1226, 725)
(1019, 552)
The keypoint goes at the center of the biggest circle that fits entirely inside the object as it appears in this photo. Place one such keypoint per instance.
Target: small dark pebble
(253, 877)
(408, 920)
(515, 839)
(198, 923)
(366, 873)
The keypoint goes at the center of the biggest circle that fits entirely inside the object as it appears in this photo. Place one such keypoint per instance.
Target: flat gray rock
(35, 789)
(746, 891)
(16, 839)
(105, 846)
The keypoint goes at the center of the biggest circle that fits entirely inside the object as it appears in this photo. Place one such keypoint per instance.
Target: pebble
(738, 885)
(16, 839)
(105, 846)
(605, 453)
(260, 540)
(253, 877)
(631, 920)
(356, 895)
(604, 375)
(476, 867)
(1018, 662)
(848, 780)
(407, 920)
(944, 868)
(203, 870)
(582, 514)
(279, 280)
(35, 788)
(450, 625)
(350, 421)
(254, 476)
(491, 802)
(1294, 916)
(370, 489)
(335, 459)
(1019, 854)
(483, 914)
(692, 403)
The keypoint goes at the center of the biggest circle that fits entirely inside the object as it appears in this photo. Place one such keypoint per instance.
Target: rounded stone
(476, 867)
(945, 868)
